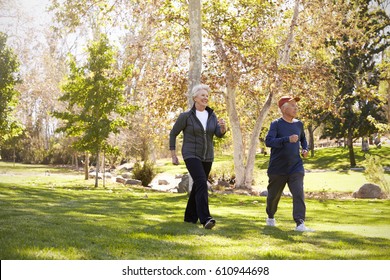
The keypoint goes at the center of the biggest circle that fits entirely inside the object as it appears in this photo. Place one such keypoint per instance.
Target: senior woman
(199, 125)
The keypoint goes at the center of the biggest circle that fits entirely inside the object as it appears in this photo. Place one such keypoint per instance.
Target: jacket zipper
(204, 134)
(205, 144)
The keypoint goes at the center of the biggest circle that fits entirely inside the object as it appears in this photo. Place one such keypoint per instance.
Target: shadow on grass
(19, 168)
(74, 223)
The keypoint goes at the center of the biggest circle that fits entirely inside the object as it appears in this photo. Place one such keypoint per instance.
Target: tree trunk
(246, 181)
(104, 169)
(86, 166)
(230, 99)
(311, 139)
(238, 144)
(244, 165)
(350, 149)
(195, 68)
(14, 154)
(254, 142)
(76, 161)
(97, 170)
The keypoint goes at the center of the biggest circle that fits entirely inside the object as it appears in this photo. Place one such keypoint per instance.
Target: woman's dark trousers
(198, 202)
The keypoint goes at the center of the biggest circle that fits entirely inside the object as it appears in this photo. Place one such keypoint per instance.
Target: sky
(34, 19)
(36, 14)
(18, 16)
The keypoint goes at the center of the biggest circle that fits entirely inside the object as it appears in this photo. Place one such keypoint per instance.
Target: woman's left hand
(222, 124)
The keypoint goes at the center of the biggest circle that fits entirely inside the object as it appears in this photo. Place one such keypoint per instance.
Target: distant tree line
(110, 78)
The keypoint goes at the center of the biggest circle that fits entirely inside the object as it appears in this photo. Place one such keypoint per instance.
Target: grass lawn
(327, 171)
(61, 216)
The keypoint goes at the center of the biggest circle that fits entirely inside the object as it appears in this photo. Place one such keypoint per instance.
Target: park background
(98, 84)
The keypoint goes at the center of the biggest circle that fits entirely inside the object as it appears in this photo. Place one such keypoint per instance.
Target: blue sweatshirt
(285, 156)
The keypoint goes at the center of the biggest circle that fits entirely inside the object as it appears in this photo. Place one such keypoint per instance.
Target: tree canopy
(95, 96)
(333, 54)
(9, 78)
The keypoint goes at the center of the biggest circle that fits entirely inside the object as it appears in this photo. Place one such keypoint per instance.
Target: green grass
(338, 158)
(61, 216)
(327, 171)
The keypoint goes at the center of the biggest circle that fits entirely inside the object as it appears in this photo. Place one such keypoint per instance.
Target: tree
(95, 100)
(195, 69)
(363, 36)
(158, 52)
(384, 88)
(246, 37)
(9, 67)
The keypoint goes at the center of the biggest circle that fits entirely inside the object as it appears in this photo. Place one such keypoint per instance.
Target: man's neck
(288, 119)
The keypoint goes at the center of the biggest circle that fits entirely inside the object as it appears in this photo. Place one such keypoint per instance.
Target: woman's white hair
(198, 88)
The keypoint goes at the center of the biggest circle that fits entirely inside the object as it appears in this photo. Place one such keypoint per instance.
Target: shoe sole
(270, 224)
(209, 225)
(305, 230)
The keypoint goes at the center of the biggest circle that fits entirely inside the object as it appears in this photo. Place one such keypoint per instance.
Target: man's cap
(285, 99)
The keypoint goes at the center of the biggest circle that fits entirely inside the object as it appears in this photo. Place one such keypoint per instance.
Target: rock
(163, 182)
(222, 183)
(183, 185)
(254, 193)
(210, 186)
(368, 191)
(133, 182)
(92, 175)
(126, 175)
(100, 175)
(288, 194)
(242, 192)
(120, 179)
(125, 167)
(264, 193)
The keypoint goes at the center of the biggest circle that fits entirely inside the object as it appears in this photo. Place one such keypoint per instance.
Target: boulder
(126, 175)
(92, 175)
(288, 194)
(133, 182)
(183, 185)
(125, 167)
(163, 182)
(368, 190)
(120, 179)
(264, 193)
(223, 183)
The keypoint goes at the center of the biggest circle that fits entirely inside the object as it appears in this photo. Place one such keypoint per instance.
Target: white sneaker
(270, 222)
(303, 228)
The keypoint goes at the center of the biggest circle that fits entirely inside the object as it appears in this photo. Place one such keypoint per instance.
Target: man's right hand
(293, 138)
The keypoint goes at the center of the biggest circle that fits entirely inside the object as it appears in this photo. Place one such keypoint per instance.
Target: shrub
(224, 172)
(144, 173)
(375, 173)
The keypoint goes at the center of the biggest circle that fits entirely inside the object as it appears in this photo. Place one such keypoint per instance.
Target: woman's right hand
(175, 160)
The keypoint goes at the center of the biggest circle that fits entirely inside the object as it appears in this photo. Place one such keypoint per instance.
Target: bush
(224, 172)
(144, 173)
(375, 173)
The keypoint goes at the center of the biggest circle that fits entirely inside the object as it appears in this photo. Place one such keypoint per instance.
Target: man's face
(290, 109)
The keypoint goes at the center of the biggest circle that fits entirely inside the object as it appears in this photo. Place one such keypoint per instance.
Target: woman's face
(202, 98)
